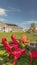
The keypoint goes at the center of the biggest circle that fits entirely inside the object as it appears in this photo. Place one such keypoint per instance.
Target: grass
(24, 60)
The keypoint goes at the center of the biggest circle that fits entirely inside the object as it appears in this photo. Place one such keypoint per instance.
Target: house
(36, 28)
(4, 27)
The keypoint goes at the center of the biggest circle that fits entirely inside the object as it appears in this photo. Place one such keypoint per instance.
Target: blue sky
(20, 12)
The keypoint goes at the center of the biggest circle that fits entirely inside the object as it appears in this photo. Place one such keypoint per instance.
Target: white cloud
(14, 9)
(29, 22)
(3, 12)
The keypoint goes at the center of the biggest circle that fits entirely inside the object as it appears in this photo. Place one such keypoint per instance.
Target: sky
(19, 12)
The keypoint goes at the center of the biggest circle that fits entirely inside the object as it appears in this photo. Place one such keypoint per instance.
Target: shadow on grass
(1, 46)
(1, 62)
(23, 60)
(4, 59)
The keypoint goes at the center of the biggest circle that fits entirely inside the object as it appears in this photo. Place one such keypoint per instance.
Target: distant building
(36, 28)
(4, 27)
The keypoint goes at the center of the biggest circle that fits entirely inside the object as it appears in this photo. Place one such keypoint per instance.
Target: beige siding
(8, 28)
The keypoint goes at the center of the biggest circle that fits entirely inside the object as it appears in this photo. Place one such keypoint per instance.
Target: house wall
(36, 28)
(9, 28)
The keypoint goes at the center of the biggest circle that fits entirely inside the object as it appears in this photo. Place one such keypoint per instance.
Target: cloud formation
(29, 22)
(12, 9)
(3, 12)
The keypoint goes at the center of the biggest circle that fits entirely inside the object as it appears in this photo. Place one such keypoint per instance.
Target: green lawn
(24, 60)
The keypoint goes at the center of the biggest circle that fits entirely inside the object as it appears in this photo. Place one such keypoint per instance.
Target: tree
(32, 27)
(3, 29)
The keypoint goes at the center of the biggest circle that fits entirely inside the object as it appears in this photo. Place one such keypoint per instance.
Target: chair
(3, 39)
(32, 55)
(11, 45)
(24, 38)
(16, 53)
(15, 41)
